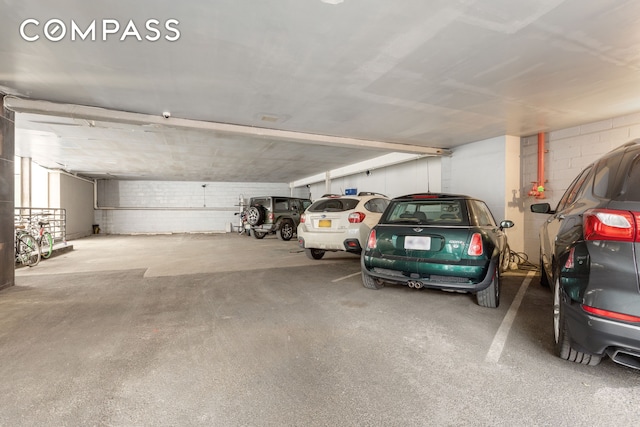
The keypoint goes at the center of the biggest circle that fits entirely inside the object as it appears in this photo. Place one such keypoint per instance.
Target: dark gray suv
(275, 214)
(590, 252)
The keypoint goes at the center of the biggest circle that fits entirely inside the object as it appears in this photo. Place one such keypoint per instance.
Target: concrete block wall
(485, 170)
(126, 207)
(569, 151)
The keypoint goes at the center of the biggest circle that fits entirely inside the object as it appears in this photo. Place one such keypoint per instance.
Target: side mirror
(506, 224)
(543, 208)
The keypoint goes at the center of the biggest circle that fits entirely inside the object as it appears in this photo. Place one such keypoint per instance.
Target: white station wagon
(339, 223)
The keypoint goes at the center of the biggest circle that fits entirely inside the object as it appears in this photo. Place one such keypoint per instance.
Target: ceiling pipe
(537, 190)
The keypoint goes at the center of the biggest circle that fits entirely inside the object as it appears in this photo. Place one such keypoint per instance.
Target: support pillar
(7, 194)
(327, 182)
(25, 182)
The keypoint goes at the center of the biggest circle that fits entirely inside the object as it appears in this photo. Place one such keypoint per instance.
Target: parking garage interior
(163, 315)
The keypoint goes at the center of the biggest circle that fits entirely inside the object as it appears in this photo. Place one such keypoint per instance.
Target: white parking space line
(495, 351)
(345, 277)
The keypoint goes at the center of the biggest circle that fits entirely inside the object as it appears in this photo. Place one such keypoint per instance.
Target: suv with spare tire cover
(275, 214)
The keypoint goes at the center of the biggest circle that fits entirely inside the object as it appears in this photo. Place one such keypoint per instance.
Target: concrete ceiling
(330, 84)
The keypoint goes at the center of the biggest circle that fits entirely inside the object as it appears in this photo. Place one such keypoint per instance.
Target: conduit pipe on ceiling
(538, 187)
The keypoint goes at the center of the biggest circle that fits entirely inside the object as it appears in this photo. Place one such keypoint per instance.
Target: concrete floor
(227, 330)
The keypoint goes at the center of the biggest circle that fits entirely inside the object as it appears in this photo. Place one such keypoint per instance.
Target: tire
(28, 250)
(544, 280)
(561, 334)
(490, 297)
(255, 215)
(258, 234)
(285, 231)
(314, 253)
(371, 283)
(505, 259)
(46, 245)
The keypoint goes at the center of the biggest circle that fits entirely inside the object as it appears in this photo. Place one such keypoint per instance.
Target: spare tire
(255, 215)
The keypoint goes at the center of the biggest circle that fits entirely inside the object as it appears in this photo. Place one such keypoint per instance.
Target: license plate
(420, 243)
(324, 223)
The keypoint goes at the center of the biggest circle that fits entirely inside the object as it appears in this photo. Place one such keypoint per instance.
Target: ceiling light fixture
(332, 1)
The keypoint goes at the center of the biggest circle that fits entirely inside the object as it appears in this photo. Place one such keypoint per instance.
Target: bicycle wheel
(46, 244)
(28, 250)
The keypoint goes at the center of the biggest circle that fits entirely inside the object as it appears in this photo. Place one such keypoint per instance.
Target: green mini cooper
(442, 241)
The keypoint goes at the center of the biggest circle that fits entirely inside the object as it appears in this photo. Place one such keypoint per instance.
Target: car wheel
(258, 234)
(314, 253)
(544, 280)
(505, 259)
(371, 283)
(255, 215)
(285, 232)
(490, 297)
(561, 334)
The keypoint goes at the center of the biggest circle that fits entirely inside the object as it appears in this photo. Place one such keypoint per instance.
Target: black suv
(590, 252)
(275, 214)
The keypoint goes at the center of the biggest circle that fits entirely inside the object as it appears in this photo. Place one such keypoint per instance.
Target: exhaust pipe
(625, 358)
(418, 285)
(415, 284)
(410, 284)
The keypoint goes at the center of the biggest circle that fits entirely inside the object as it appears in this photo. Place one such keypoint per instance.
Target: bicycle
(242, 227)
(27, 249)
(44, 239)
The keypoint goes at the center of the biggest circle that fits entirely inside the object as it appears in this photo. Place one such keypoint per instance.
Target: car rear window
(333, 205)
(376, 205)
(436, 212)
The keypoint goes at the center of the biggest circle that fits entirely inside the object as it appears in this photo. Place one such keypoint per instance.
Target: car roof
(279, 197)
(359, 196)
(427, 196)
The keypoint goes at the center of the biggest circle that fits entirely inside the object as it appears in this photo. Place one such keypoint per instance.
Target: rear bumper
(265, 228)
(596, 335)
(349, 240)
(443, 281)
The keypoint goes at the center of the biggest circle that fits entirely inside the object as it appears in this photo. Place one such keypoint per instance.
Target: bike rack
(57, 218)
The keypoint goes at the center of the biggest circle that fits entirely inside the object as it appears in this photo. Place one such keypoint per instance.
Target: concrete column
(25, 182)
(7, 170)
(327, 182)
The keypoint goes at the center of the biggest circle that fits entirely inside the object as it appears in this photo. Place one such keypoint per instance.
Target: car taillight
(610, 224)
(271, 216)
(571, 263)
(372, 242)
(356, 217)
(611, 314)
(303, 217)
(475, 247)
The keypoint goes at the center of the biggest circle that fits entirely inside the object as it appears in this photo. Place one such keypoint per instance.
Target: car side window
(482, 214)
(281, 204)
(632, 184)
(605, 173)
(376, 205)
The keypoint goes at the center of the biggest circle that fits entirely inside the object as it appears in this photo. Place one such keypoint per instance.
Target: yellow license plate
(324, 223)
